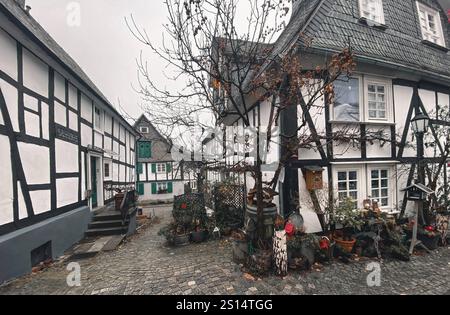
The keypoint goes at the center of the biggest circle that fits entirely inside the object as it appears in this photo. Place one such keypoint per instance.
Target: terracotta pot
(347, 246)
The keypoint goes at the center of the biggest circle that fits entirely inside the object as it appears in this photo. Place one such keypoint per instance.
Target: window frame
(380, 12)
(361, 102)
(164, 190)
(109, 163)
(348, 190)
(439, 28)
(163, 168)
(142, 127)
(370, 80)
(392, 186)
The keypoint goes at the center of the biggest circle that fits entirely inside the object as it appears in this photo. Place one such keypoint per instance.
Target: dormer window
(430, 24)
(372, 10)
(143, 129)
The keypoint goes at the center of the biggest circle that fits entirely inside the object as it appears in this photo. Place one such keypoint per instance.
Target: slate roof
(42, 37)
(337, 21)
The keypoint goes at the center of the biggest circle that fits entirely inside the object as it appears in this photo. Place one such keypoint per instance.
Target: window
(347, 100)
(161, 167)
(363, 99)
(348, 186)
(145, 150)
(377, 101)
(98, 122)
(143, 129)
(162, 188)
(430, 23)
(380, 186)
(107, 170)
(372, 10)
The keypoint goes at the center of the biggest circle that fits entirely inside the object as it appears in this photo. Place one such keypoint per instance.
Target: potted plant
(350, 219)
(429, 237)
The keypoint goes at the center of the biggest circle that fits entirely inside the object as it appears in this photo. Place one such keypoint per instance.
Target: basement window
(41, 254)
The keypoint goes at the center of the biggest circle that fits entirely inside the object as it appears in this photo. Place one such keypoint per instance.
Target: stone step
(107, 231)
(113, 243)
(88, 250)
(107, 224)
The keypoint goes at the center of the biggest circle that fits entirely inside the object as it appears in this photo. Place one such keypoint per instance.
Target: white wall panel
(429, 100)
(73, 97)
(8, 60)
(66, 191)
(32, 124)
(108, 123)
(86, 135)
(36, 163)
(35, 73)
(122, 173)
(60, 114)
(73, 121)
(402, 98)
(6, 182)
(60, 87)
(23, 213)
(98, 139)
(30, 102)
(45, 120)
(41, 201)
(86, 108)
(11, 98)
(83, 175)
(378, 148)
(66, 157)
(443, 100)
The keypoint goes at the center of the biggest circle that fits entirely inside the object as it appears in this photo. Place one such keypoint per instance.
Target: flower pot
(181, 240)
(199, 236)
(347, 246)
(240, 251)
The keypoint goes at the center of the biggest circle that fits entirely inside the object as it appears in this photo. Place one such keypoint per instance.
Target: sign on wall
(66, 134)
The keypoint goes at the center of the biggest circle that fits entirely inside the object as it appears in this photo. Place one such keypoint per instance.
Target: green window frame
(140, 189)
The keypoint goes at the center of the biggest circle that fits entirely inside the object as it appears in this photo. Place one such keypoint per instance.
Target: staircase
(109, 223)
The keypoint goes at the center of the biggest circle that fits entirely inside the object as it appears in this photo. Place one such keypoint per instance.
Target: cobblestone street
(145, 266)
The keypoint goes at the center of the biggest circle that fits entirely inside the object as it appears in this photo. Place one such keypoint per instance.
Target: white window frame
(109, 163)
(379, 11)
(161, 187)
(426, 31)
(161, 168)
(142, 128)
(369, 80)
(392, 185)
(360, 175)
(102, 119)
(361, 102)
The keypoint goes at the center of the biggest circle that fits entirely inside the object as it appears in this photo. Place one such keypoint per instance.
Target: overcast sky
(102, 44)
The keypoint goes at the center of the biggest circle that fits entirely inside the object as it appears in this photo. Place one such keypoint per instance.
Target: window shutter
(149, 150)
(169, 167)
(153, 168)
(140, 168)
(170, 187)
(154, 188)
(141, 189)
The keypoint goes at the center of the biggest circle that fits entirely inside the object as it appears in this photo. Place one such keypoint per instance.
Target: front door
(94, 199)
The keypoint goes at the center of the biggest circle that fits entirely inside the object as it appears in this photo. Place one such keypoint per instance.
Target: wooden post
(414, 236)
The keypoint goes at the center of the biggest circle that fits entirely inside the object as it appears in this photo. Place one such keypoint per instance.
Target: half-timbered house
(159, 176)
(64, 148)
(403, 67)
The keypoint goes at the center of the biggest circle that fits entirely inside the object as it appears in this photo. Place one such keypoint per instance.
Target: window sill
(373, 24)
(437, 46)
(369, 122)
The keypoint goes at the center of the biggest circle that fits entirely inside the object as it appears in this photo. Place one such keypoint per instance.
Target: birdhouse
(314, 177)
(417, 192)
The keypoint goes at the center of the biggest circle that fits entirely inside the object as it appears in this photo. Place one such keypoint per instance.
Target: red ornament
(290, 229)
(183, 206)
(324, 243)
(429, 228)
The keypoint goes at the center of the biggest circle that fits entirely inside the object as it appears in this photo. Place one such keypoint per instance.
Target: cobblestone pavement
(145, 266)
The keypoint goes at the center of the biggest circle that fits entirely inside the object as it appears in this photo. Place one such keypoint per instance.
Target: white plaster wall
(8, 60)
(32, 124)
(122, 153)
(73, 121)
(1, 119)
(98, 139)
(60, 87)
(86, 135)
(11, 98)
(30, 102)
(45, 121)
(121, 173)
(6, 182)
(108, 123)
(36, 163)
(443, 100)
(83, 175)
(86, 108)
(66, 191)
(116, 147)
(66, 157)
(41, 201)
(122, 133)
(115, 174)
(429, 100)
(35, 73)
(73, 96)
(345, 150)
(23, 213)
(107, 143)
(132, 141)
(378, 149)
(60, 114)
(402, 99)
(116, 128)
